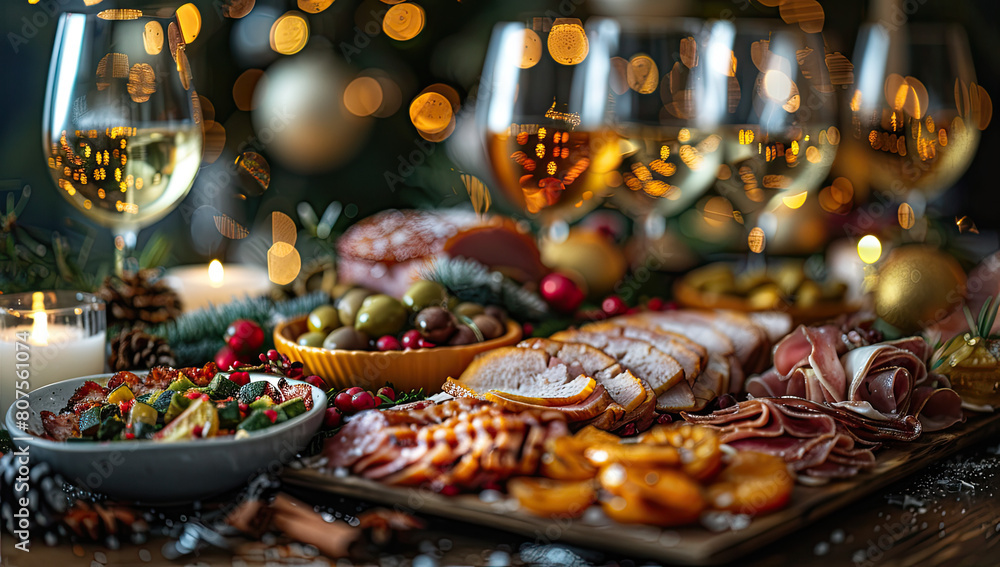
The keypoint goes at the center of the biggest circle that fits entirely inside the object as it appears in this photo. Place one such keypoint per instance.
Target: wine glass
(546, 141)
(780, 134)
(121, 128)
(916, 110)
(665, 100)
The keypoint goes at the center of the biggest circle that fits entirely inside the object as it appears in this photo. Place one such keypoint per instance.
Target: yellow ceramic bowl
(406, 369)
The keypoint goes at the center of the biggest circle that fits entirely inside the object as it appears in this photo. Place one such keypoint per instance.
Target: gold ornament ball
(591, 256)
(918, 285)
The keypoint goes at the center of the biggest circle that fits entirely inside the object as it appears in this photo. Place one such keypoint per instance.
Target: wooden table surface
(946, 514)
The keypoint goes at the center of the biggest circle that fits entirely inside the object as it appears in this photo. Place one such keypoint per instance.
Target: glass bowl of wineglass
(666, 99)
(915, 113)
(121, 128)
(780, 134)
(546, 140)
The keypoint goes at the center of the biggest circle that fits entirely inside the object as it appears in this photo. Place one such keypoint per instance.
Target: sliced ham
(676, 399)
(937, 408)
(658, 368)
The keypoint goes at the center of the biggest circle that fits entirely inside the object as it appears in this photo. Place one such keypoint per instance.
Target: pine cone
(134, 349)
(139, 298)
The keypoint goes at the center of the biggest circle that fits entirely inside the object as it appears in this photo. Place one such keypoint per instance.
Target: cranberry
(129, 435)
(315, 381)
(561, 292)
(387, 392)
(655, 304)
(272, 355)
(424, 343)
(613, 305)
(244, 336)
(362, 401)
(410, 338)
(241, 378)
(271, 414)
(388, 342)
(333, 417)
(528, 329)
(343, 402)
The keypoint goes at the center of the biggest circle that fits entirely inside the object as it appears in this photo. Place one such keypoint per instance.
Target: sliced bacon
(88, 392)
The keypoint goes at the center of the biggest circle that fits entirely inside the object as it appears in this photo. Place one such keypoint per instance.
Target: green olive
(349, 304)
(323, 319)
(346, 338)
(312, 338)
(380, 315)
(468, 309)
(424, 293)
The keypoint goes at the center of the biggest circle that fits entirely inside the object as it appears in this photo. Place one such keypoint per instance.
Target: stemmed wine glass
(546, 140)
(916, 110)
(665, 100)
(121, 128)
(780, 132)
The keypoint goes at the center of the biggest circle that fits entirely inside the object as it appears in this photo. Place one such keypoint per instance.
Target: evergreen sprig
(196, 336)
(469, 280)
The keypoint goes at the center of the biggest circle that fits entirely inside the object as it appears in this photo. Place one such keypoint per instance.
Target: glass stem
(125, 260)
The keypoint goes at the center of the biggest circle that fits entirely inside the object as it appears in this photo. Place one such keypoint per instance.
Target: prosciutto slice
(816, 440)
(836, 365)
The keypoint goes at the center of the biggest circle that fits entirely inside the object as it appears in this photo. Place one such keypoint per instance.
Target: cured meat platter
(693, 545)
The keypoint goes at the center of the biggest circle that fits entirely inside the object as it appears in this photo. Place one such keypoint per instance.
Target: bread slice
(658, 368)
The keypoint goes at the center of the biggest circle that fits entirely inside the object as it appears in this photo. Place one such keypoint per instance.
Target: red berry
(633, 310)
(449, 490)
(129, 435)
(196, 431)
(343, 402)
(271, 414)
(272, 355)
(226, 358)
(262, 357)
(388, 342)
(244, 408)
(528, 328)
(240, 378)
(424, 343)
(655, 304)
(670, 306)
(354, 390)
(244, 336)
(561, 292)
(315, 381)
(333, 417)
(192, 395)
(410, 338)
(362, 401)
(387, 392)
(614, 305)
(126, 405)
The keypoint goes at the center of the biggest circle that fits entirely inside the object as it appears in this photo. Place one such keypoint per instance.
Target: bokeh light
(403, 22)
(756, 240)
(905, 216)
(567, 41)
(869, 249)
(289, 33)
(532, 53)
(314, 6)
(244, 87)
(363, 96)
(189, 19)
(431, 112)
(237, 9)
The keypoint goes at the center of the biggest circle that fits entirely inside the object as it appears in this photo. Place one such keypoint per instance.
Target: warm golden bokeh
(189, 19)
(403, 22)
(289, 33)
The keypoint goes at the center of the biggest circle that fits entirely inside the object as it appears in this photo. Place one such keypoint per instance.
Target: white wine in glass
(121, 130)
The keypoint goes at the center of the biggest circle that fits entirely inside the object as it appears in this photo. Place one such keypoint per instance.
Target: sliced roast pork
(661, 370)
(691, 356)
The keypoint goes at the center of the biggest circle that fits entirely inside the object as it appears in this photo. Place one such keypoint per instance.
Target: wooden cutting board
(688, 546)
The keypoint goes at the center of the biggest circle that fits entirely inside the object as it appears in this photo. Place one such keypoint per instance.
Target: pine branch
(469, 280)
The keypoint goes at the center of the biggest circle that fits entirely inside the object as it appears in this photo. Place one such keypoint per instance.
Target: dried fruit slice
(700, 453)
(553, 497)
(633, 454)
(752, 483)
(664, 497)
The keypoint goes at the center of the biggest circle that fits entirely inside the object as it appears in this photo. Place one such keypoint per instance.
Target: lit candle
(48, 337)
(200, 286)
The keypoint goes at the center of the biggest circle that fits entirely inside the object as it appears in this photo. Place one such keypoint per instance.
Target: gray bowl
(160, 473)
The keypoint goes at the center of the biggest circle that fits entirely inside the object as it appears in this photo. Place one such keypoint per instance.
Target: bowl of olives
(416, 341)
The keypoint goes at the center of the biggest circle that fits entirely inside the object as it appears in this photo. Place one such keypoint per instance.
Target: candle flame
(40, 326)
(216, 273)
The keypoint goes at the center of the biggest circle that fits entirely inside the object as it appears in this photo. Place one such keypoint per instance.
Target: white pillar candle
(41, 353)
(216, 284)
